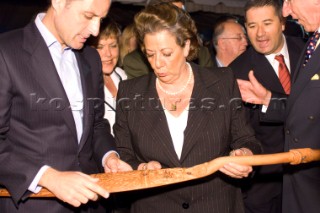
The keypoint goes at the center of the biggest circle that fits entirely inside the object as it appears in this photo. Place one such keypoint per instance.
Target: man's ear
(58, 4)
(221, 42)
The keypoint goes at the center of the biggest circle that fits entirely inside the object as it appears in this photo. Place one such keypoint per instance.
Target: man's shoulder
(11, 37)
(296, 42)
(244, 59)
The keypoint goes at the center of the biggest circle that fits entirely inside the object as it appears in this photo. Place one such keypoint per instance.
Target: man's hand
(114, 164)
(236, 170)
(75, 188)
(253, 92)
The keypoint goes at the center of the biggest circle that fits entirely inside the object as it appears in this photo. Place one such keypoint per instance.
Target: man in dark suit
(265, 23)
(301, 184)
(52, 131)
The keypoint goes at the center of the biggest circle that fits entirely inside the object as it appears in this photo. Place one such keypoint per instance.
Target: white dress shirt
(110, 114)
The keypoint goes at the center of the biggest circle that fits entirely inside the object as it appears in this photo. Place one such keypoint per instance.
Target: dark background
(17, 13)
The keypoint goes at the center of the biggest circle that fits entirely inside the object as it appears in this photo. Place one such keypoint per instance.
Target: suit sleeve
(241, 131)
(103, 141)
(121, 127)
(276, 112)
(17, 171)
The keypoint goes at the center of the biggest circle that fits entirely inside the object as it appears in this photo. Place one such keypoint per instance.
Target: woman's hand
(236, 170)
(152, 165)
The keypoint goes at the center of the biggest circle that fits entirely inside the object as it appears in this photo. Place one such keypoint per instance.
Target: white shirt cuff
(107, 155)
(34, 184)
(264, 109)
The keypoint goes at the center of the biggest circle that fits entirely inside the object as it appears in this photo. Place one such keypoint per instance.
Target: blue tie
(311, 47)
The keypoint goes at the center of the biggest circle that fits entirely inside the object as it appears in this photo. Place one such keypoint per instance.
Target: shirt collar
(45, 33)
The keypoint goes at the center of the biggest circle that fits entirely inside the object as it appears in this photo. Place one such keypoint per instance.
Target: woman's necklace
(174, 105)
(182, 89)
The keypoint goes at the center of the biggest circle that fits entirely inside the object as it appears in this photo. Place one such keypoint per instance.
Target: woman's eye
(89, 17)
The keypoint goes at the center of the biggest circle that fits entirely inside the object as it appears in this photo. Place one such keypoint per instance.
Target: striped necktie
(284, 75)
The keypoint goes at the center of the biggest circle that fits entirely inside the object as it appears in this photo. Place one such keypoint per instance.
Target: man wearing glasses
(229, 40)
(265, 25)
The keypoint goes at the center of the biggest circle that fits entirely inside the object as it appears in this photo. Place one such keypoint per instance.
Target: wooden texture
(135, 180)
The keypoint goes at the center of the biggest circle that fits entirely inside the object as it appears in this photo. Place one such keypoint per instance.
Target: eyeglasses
(240, 38)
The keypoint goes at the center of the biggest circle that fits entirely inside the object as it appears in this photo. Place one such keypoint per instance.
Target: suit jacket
(216, 125)
(36, 125)
(301, 184)
(267, 181)
(136, 64)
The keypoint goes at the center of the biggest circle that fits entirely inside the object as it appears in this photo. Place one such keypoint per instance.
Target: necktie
(311, 47)
(284, 75)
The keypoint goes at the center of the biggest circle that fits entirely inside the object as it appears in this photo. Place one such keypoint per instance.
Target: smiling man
(54, 145)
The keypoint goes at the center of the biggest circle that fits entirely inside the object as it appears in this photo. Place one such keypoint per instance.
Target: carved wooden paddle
(143, 179)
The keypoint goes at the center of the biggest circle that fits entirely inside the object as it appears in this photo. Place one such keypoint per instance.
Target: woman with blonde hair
(128, 41)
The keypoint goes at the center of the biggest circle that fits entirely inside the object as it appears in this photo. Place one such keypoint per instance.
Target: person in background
(107, 45)
(170, 118)
(265, 25)
(136, 64)
(229, 41)
(128, 42)
(52, 132)
(300, 112)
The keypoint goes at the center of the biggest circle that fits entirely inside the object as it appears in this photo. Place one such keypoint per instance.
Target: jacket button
(288, 132)
(296, 140)
(185, 205)
(311, 117)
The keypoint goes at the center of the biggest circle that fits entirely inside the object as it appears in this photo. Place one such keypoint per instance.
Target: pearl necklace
(182, 89)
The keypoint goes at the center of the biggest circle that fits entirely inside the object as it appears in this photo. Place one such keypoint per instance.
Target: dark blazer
(36, 125)
(216, 125)
(301, 184)
(136, 64)
(266, 184)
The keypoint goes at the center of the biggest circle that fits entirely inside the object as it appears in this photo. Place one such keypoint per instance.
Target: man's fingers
(253, 79)
(123, 166)
(90, 178)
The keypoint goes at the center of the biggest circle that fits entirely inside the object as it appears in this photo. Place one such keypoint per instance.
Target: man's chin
(77, 46)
